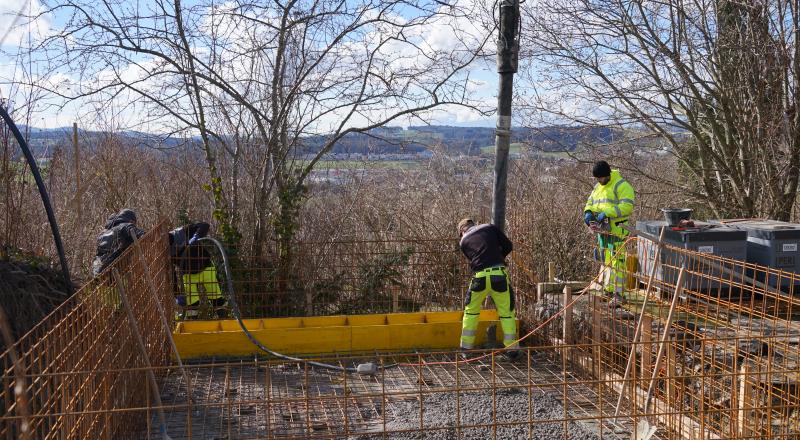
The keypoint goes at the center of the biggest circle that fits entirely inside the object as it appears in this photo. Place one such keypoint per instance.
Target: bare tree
(713, 83)
(249, 81)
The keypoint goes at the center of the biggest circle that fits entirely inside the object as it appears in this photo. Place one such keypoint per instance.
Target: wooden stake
(647, 347)
(568, 328)
(745, 395)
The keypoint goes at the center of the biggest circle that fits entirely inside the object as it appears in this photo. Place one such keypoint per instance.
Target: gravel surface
(476, 409)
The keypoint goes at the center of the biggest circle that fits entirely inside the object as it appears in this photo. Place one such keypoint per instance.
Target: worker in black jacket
(186, 235)
(486, 248)
(115, 238)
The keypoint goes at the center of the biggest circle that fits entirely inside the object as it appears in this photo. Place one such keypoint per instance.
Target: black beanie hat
(601, 169)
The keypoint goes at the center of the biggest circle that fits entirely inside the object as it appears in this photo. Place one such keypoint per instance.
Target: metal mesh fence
(74, 370)
(349, 277)
(346, 277)
(712, 339)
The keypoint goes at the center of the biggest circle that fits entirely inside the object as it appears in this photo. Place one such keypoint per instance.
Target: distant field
(22, 173)
(357, 164)
(517, 148)
(561, 154)
(514, 148)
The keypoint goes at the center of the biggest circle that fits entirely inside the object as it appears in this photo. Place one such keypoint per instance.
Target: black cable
(238, 315)
(51, 218)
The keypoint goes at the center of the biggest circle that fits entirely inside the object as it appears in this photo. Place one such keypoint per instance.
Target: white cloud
(466, 23)
(16, 24)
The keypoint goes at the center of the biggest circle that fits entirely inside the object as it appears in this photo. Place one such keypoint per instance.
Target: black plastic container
(774, 244)
(704, 238)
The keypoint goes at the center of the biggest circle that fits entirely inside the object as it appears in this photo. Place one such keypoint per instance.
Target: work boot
(491, 338)
(616, 300)
(512, 355)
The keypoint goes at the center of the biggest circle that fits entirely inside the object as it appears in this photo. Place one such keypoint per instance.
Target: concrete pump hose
(369, 368)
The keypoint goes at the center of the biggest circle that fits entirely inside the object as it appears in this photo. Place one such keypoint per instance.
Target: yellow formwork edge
(393, 332)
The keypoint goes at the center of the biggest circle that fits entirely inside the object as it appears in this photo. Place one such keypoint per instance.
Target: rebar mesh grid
(729, 369)
(348, 277)
(72, 369)
(357, 277)
(729, 365)
(535, 395)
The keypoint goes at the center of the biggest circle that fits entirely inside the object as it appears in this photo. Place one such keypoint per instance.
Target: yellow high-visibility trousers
(494, 282)
(614, 263)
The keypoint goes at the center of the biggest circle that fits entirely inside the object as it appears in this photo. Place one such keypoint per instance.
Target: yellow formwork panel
(233, 326)
(327, 334)
(361, 320)
(447, 316)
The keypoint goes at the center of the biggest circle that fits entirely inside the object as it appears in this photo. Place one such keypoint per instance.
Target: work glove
(194, 239)
(601, 217)
(588, 217)
(180, 300)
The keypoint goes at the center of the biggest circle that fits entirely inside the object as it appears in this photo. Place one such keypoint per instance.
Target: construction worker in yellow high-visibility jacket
(609, 206)
(198, 274)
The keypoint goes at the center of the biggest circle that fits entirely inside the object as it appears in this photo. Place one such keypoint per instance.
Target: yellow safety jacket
(615, 199)
(205, 281)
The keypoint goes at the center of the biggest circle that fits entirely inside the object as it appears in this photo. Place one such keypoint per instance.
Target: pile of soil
(29, 290)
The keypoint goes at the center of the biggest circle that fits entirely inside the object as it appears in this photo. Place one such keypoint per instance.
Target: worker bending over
(198, 275)
(118, 234)
(609, 206)
(486, 248)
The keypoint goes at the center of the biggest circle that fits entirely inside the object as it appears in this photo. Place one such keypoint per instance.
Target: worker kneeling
(486, 248)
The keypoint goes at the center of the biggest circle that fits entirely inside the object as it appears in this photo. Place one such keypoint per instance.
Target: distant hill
(461, 140)
(384, 140)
